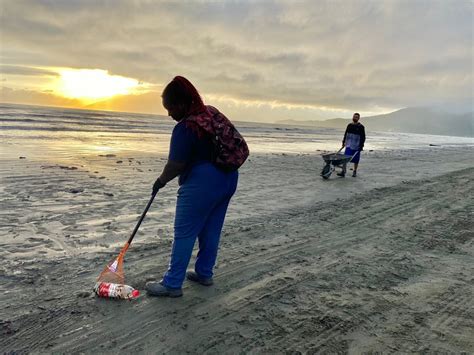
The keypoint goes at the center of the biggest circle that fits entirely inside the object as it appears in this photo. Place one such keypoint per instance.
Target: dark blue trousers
(200, 212)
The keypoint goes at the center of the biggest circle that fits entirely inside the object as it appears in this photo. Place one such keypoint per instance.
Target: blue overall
(203, 197)
(351, 152)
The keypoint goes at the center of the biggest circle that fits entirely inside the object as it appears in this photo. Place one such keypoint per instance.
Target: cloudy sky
(255, 60)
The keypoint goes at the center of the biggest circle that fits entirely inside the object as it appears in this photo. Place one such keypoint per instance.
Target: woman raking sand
(205, 152)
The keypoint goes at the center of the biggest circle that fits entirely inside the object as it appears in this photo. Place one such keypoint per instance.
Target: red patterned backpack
(230, 148)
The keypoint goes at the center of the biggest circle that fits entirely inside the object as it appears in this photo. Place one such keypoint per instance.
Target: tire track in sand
(251, 262)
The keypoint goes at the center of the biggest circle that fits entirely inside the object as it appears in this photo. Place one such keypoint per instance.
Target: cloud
(344, 55)
(145, 103)
(21, 70)
(34, 97)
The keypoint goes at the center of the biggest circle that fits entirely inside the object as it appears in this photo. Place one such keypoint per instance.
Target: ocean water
(49, 133)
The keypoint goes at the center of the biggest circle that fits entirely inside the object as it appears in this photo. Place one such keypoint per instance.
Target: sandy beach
(379, 263)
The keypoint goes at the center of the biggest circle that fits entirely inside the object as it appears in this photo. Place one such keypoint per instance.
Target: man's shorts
(351, 152)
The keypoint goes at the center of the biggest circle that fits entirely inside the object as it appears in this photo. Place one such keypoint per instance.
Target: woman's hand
(157, 186)
(170, 171)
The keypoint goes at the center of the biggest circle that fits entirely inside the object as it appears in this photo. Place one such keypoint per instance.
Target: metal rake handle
(141, 218)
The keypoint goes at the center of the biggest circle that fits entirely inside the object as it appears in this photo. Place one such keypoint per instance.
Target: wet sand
(383, 262)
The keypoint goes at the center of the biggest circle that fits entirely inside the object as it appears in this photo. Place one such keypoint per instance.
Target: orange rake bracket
(113, 272)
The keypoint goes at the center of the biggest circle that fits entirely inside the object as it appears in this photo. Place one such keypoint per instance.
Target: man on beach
(354, 139)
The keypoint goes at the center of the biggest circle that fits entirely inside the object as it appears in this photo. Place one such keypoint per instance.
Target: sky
(254, 60)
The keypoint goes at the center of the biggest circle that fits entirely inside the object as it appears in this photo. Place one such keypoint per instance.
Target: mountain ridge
(407, 120)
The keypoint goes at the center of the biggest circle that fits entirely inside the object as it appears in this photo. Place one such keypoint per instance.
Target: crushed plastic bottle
(111, 290)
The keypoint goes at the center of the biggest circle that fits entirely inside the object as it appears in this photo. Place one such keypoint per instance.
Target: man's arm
(345, 134)
(362, 138)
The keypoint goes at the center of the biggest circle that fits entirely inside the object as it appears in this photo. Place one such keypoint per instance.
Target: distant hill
(407, 120)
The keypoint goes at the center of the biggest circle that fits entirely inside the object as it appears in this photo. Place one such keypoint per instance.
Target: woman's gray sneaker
(193, 276)
(157, 289)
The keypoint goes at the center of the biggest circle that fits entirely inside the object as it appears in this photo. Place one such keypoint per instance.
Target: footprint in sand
(76, 190)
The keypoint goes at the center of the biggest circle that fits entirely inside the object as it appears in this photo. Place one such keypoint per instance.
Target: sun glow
(93, 84)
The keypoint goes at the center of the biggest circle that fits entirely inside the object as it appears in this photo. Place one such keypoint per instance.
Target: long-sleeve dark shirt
(354, 137)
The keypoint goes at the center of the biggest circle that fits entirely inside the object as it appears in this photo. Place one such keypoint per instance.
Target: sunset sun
(93, 84)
